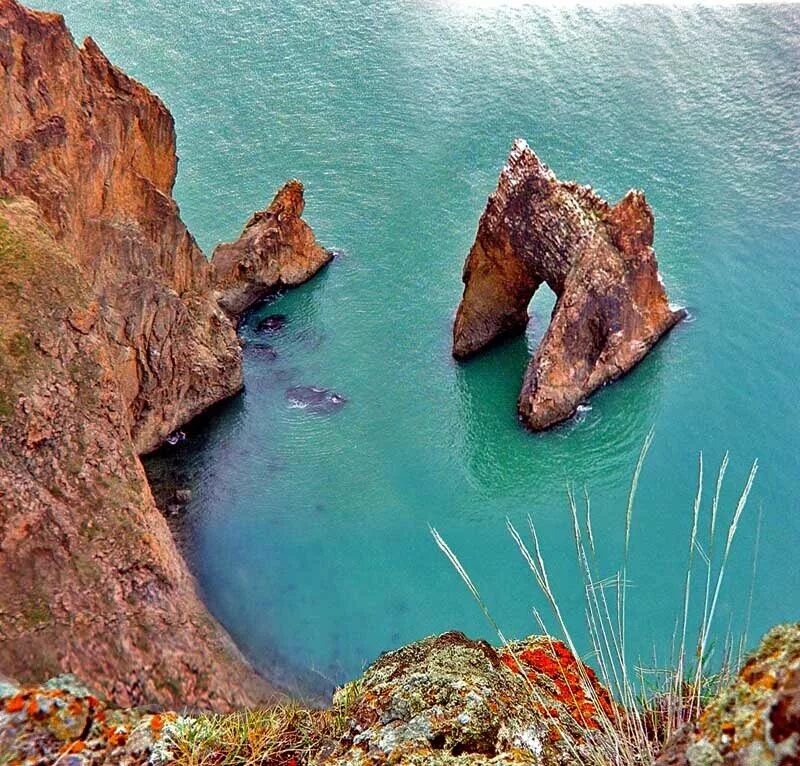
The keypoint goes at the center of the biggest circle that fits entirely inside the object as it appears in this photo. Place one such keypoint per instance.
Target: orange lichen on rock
(15, 703)
(450, 700)
(756, 720)
(62, 718)
(576, 685)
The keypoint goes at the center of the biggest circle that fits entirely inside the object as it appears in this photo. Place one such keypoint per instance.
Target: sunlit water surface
(308, 533)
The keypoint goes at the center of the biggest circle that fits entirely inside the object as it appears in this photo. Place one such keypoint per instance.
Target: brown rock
(90, 579)
(276, 249)
(756, 720)
(597, 259)
(96, 151)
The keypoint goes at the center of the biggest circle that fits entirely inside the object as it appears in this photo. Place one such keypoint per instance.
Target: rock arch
(597, 258)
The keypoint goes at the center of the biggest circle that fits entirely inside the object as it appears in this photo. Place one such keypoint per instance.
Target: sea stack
(276, 249)
(598, 259)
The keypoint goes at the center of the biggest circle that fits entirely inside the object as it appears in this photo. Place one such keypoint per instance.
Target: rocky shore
(443, 701)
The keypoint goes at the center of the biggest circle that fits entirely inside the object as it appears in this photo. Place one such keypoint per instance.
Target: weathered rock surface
(90, 579)
(756, 721)
(443, 701)
(276, 249)
(451, 700)
(64, 722)
(597, 259)
(111, 338)
(96, 151)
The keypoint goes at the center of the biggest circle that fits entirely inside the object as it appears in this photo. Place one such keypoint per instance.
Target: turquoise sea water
(309, 533)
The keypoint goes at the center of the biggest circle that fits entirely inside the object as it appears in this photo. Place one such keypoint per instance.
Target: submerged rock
(272, 323)
(276, 249)
(313, 399)
(754, 722)
(264, 350)
(597, 259)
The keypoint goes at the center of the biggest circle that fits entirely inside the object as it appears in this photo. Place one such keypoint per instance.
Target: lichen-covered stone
(756, 720)
(450, 700)
(598, 260)
(62, 721)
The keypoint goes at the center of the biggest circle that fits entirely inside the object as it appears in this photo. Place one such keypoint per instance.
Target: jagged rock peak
(597, 259)
(276, 249)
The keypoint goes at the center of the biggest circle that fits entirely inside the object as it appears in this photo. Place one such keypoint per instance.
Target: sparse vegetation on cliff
(647, 716)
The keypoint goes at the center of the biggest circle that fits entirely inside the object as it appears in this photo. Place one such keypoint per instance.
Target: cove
(308, 532)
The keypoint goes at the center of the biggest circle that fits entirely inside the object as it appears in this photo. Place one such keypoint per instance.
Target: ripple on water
(309, 531)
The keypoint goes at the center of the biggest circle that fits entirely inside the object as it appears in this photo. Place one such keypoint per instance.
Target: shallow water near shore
(308, 527)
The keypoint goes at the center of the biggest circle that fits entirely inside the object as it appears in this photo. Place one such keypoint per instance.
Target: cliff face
(110, 337)
(96, 151)
(90, 580)
(597, 259)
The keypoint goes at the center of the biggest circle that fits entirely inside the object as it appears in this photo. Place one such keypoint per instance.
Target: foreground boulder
(276, 249)
(754, 722)
(597, 259)
(451, 700)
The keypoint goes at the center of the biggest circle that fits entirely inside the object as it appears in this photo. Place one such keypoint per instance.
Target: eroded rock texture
(96, 151)
(598, 259)
(450, 700)
(756, 721)
(110, 337)
(64, 722)
(90, 579)
(276, 249)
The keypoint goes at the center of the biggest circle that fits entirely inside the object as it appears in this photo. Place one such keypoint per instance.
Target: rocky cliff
(598, 259)
(90, 580)
(111, 336)
(96, 151)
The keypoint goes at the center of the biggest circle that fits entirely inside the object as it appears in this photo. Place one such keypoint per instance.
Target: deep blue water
(309, 533)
